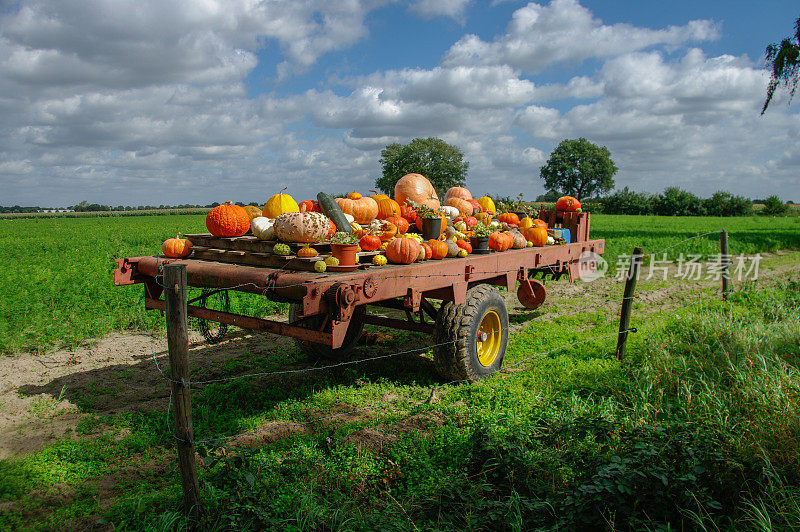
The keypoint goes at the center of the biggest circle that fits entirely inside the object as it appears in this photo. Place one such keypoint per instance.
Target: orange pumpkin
(536, 235)
(331, 229)
(176, 248)
(567, 203)
(402, 250)
(401, 223)
(227, 220)
(354, 195)
(428, 250)
(369, 242)
(253, 211)
(463, 244)
(438, 249)
(417, 188)
(388, 208)
(364, 210)
(307, 251)
(387, 231)
(539, 223)
(509, 218)
(378, 197)
(463, 206)
(457, 192)
(500, 241)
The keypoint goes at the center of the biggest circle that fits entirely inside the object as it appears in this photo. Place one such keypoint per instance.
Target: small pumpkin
(354, 196)
(331, 261)
(320, 266)
(227, 220)
(464, 207)
(438, 249)
(282, 249)
(252, 211)
(428, 250)
(476, 207)
(401, 224)
(509, 218)
(463, 244)
(536, 235)
(386, 231)
(370, 242)
(263, 228)
(452, 248)
(310, 206)
(307, 252)
(568, 204)
(525, 222)
(519, 240)
(379, 260)
(539, 223)
(177, 248)
(500, 241)
(402, 250)
(279, 204)
(487, 204)
(378, 197)
(450, 212)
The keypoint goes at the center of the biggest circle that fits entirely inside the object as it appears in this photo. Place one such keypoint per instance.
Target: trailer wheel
(474, 334)
(318, 351)
(214, 300)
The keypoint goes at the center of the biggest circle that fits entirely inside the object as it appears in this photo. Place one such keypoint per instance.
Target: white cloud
(440, 8)
(565, 32)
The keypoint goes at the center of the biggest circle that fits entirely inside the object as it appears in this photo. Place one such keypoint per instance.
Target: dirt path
(43, 399)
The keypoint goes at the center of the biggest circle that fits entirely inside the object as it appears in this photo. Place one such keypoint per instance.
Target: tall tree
(442, 163)
(784, 60)
(579, 168)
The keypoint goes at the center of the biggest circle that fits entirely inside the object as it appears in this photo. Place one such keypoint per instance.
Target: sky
(150, 102)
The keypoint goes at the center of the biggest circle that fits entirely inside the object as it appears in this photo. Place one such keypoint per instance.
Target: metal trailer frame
(335, 296)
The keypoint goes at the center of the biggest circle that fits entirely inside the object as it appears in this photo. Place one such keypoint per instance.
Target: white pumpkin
(301, 226)
(451, 213)
(263, 228)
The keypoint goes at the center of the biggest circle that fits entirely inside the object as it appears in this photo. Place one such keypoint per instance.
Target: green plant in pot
(432, 220)
(344, 247)
(480, 238)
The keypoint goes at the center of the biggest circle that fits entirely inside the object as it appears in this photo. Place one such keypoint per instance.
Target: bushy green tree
(784, 61)
(726, 204)
(626, 201)
(579, 168)
(442, 163)
(773, 206)
(676, 202)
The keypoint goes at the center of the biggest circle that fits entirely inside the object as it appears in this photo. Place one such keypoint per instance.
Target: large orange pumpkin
(536, 235)
(227, 220)
(388, 208)
(402, 250)
(364, 210)
(417, 188)
(567, 203)
(509, 218)
(438, 249)
(457, 192)
(176, 248)
(463, 206)
(500, 241)
(539, 223)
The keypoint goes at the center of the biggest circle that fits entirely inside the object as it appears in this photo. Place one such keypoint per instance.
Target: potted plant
(431, 220)
(344, 247)
(480, 239)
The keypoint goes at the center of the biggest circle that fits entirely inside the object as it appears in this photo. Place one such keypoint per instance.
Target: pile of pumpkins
(380, 222)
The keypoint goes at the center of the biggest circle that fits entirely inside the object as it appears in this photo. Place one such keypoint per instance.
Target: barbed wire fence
(179, 403)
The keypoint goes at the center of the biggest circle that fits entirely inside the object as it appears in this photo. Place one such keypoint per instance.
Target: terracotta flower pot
(346, 253)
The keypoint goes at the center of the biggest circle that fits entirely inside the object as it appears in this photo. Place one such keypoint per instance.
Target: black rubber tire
(319, 351)
(457, 328)
(215, 301)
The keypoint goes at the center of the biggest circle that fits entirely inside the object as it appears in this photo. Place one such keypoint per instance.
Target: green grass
(696, 429)
(57, 285)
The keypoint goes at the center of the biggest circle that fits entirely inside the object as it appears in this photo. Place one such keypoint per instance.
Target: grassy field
(696, 429)
(57, 288)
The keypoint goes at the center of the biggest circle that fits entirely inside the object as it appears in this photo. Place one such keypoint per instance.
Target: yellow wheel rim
(490, 335)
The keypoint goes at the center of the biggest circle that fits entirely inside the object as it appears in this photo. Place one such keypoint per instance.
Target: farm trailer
(328, 311)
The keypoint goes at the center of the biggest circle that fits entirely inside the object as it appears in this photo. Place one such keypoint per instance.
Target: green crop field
(696, 429)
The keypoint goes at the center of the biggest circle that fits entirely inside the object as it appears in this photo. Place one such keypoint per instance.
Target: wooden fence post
(725, 264)
(627, 301)
(175, 287)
